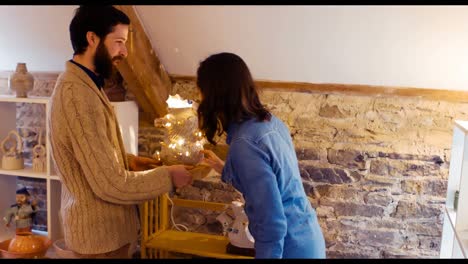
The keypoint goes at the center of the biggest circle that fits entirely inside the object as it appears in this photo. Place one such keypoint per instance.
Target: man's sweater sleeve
(85, 120)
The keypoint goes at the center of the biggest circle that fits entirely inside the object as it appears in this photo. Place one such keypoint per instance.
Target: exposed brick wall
(375, 169)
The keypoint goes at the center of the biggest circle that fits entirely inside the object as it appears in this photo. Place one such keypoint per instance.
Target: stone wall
(375, 169)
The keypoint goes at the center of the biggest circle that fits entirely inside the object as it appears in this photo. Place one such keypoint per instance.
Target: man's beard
(103, 61)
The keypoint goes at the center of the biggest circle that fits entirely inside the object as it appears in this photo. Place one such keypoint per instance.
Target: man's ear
(92, 38)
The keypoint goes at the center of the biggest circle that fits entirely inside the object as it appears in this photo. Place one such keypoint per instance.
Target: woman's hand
(212, 160)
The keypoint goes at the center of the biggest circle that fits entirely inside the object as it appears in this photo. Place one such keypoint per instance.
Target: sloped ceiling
(409, 46)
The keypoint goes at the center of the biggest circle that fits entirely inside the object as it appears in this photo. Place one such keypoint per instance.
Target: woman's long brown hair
(228, 94)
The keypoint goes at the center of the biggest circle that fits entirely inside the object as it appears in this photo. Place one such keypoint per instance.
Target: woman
(261, 161)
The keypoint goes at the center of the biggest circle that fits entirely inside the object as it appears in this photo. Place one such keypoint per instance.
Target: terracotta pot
(5, 253)
(26, 243)
(21, 81)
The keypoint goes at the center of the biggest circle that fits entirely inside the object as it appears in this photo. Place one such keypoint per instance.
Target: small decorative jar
(21, 81)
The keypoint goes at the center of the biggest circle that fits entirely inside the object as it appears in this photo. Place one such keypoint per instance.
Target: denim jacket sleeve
(263, 204)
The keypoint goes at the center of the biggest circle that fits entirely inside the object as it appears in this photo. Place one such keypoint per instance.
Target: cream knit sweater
(99, 193)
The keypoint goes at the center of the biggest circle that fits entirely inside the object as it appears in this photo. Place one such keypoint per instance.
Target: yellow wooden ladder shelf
(157, 239)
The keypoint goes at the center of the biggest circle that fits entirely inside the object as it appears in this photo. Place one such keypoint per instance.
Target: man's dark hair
(98, 19)
(228, 94)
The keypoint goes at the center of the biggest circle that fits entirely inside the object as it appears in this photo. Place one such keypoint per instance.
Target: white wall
(418, 46)
(410, 46)
(36, 35)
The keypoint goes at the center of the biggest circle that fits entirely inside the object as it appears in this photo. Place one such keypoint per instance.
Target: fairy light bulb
(181, 141)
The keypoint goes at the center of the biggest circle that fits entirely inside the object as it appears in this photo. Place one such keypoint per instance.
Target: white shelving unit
(8, 177)
(127, 116)
(455, 229)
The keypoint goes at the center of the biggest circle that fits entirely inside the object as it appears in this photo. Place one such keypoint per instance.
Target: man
(101, 183)
(23, 212)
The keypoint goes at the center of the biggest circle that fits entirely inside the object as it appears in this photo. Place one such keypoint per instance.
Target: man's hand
(180, 175)
(212, 160)
(138, 163)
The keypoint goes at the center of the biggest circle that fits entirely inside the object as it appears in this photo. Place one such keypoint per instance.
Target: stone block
(353, 209)
(400, 156)
(310, 190)
(346, 193)
(374, 237)
(379, 198)
(429, 243)
(332, 111)
(351, 159)
(436, 187)
(329, 175)
(404, 168)
(307, 153)
(413, 209)
(400, 254)
(326, 212)
(425, 228)
(352, 251)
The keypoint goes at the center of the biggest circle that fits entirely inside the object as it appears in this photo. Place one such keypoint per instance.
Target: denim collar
(230, 132)
(233, 127)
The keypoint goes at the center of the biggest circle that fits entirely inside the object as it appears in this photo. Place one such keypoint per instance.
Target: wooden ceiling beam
(142, 70)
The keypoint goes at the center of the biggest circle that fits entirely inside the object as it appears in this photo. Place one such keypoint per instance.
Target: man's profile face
(111, 51)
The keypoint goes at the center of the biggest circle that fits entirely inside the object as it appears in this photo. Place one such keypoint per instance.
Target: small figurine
(39, 156)
(12, 147)
(23, 212)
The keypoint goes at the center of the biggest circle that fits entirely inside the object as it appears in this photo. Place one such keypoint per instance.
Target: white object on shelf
(12, 155)
(455, 229)
(127, 116)
(39, 155)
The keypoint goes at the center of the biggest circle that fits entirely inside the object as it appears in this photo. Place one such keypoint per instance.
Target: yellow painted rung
(200, 204)
(199, 244)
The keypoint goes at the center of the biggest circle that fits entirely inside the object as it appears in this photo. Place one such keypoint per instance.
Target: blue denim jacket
(262, 165)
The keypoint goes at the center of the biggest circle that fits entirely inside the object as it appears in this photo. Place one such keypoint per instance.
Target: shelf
(54, 177)
(6, 233)
(30, 99)
(199, 244)
(463, 125)
(462, 238)
(26, 172)
(452, 214)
